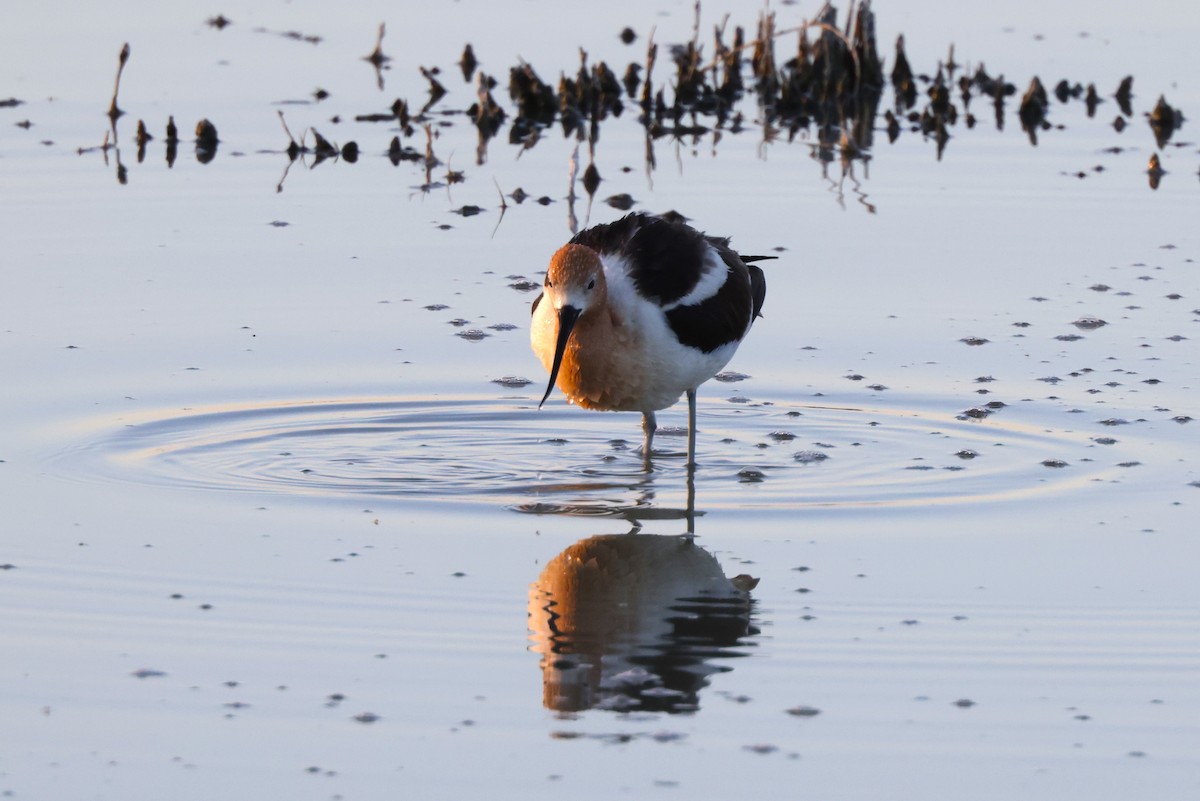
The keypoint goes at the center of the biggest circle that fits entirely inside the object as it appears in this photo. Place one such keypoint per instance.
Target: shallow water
(274, 526)
(488, 452)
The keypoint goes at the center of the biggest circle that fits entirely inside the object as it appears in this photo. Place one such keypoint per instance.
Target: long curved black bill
(567, 316)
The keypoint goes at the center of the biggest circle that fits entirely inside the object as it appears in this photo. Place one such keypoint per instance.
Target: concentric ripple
(563, 460)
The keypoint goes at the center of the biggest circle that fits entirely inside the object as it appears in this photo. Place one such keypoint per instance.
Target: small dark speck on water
(965, 703)
(473, 335)
(458, 574)
(366, 717)
(1053, 463)
(436, 307)
(804, 711)
(621, 202)
(564, 735)
(279, 224)
(148, 673)
(512, 381)
(974, 341)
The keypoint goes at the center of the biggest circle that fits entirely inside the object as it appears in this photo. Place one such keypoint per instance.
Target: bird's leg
(691, 396)
(649, 426)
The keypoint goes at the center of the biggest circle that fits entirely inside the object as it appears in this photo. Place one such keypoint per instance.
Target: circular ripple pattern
(564, 460)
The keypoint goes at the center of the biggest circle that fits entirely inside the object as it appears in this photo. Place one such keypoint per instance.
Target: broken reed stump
(114, 111)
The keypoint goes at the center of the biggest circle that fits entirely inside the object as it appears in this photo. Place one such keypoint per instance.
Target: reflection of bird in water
(633, 621)
(637, 312)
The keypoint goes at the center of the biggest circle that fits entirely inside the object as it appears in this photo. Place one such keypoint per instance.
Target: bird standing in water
(637, 312)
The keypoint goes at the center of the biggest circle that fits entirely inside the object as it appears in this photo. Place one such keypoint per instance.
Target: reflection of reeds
(1164, 120)
(143, 137)
(825, 93)
(376, 57)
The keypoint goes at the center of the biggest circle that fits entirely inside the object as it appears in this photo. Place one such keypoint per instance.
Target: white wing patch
(713, 274)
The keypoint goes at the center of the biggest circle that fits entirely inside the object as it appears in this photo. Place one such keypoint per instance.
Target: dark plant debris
(820, 83)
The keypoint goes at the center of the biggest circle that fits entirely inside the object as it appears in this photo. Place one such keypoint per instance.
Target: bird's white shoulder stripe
(713, 274)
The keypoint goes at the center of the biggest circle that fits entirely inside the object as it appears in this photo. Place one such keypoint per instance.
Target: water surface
(278, 518)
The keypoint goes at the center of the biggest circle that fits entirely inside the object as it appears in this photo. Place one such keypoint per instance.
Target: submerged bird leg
(691, 396)
(691, 500)
(649, 426)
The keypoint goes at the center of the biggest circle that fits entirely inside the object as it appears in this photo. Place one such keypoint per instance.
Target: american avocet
(637, 312)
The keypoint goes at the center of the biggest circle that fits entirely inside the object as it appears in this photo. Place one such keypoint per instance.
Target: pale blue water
(271, 528)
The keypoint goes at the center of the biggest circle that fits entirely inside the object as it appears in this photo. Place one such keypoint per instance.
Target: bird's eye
(592, 284)
(549, 283)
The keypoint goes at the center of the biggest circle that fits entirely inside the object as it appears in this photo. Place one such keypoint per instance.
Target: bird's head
(575, 279)
(574, 284)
